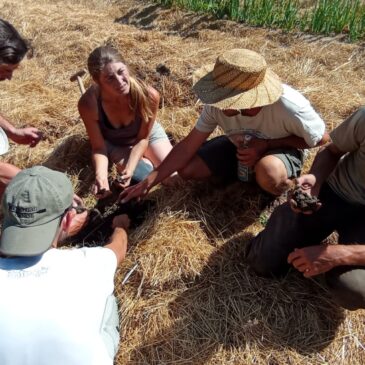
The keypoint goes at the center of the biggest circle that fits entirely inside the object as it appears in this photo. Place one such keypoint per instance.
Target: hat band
(235, 79)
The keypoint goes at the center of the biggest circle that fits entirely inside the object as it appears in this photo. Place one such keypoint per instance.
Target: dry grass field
(192, 299)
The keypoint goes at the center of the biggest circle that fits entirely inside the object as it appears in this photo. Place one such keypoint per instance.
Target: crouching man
(291, 238)
(267, 124)
(57, 306)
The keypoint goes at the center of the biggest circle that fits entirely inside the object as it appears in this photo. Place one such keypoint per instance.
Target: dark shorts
(219, 154)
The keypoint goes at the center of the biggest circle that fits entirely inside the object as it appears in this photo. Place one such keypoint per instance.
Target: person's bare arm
(178, 158)
(7, 172)
(140, 147)
(28, 135)
(255, 149)
(7, 126)
(119, 239)
(89, 114)
(323, 164)
(310, 184)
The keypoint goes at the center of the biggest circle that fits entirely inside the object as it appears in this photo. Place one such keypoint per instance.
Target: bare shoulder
(88, 103)
(154, 95)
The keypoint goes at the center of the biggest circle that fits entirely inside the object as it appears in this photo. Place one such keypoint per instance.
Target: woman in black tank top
(119, 113)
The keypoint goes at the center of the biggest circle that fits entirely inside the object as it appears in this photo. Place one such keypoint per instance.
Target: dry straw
(192, 299)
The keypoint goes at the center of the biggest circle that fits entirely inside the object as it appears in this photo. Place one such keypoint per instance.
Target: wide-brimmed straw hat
(239, 79)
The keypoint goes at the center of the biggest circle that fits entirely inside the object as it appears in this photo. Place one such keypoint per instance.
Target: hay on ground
(192, 299)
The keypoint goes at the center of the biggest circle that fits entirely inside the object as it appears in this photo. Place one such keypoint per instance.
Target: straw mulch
(192, 299)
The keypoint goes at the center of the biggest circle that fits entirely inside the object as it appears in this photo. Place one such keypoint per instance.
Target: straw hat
(239, 79)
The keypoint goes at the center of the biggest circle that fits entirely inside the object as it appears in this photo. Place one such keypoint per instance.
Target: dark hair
(12, 46)
(140, 99)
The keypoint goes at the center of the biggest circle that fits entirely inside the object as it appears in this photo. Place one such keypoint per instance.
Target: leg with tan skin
(120, 156)
(7, 172)
(271, 174)
(156, 152)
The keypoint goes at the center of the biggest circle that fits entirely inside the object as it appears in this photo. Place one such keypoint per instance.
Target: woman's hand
(124, 179)
(101, 188)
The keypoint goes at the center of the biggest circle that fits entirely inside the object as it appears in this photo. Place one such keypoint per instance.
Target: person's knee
(271, 175)
(261, 258)
(346, 287)
(186, 173)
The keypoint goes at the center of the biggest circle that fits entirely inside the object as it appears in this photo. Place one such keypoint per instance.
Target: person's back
(53, 310)
(57, 306)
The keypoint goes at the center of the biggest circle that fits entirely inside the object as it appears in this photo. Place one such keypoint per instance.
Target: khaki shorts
(118, 154)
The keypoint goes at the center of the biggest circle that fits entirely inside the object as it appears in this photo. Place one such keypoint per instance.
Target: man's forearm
(324, 163)
(178, 158)
(118, 243)
(293, 142)
(7, 126)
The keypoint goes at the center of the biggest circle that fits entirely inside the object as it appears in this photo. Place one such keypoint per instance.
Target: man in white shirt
(57, 306)
(266, 125)
(13, 48)
(291, 238)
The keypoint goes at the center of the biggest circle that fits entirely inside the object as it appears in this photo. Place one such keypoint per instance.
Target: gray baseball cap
(33, 205)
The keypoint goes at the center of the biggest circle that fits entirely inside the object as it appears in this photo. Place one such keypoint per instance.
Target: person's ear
(67, 220)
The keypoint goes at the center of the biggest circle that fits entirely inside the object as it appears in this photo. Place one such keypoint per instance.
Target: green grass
(325, 17)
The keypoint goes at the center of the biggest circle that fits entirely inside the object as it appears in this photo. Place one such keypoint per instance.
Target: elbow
(99, 151)
(324, 140)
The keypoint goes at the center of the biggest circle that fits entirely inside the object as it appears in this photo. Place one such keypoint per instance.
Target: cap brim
(209, 92)
(28, 241)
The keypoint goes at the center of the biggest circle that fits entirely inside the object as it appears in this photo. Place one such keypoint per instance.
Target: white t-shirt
(51, 312)
(292, 114)
(4, 142)
(348, 178)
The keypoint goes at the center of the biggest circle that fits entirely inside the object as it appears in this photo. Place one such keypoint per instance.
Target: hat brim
(28, 241)
(209, 92)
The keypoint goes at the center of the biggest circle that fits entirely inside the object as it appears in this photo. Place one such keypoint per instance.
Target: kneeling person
(57, 306)
(290, 238)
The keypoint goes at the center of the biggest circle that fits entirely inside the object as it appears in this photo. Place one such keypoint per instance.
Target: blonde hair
(140, 99)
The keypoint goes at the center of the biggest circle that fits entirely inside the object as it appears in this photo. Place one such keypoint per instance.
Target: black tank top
(122, 136)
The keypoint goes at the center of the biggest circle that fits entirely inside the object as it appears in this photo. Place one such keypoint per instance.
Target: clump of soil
(303, 200)
(163, 70)
(119, 179)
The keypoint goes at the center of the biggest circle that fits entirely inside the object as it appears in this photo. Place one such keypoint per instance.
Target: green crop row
(324, 17)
